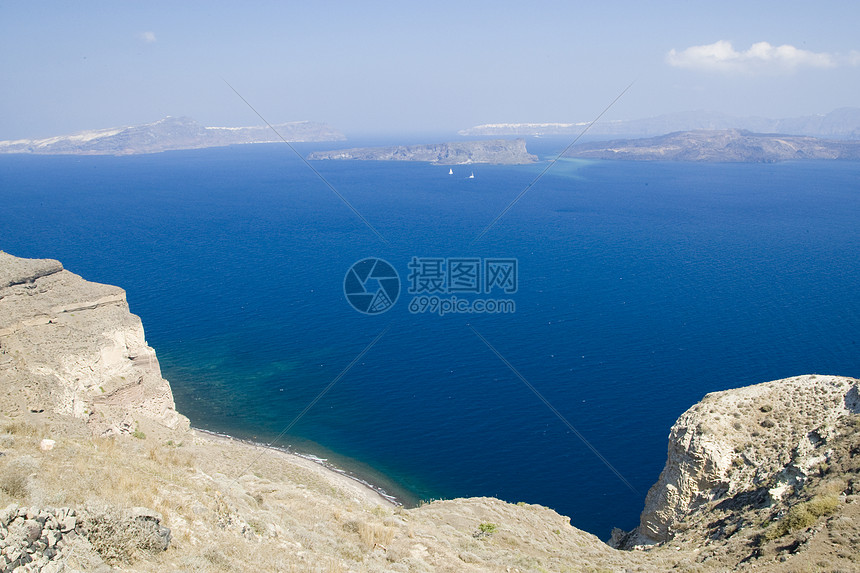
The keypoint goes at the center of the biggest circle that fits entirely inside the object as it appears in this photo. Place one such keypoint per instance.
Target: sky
(417, 67)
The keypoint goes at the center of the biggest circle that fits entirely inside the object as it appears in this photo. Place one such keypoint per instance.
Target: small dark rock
(33, 530)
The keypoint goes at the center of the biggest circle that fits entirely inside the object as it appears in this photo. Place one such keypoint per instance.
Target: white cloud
(148, 37)
(760, 57)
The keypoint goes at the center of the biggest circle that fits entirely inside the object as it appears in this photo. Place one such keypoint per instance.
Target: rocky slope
(98, 470)
(170, 133)
(499, 151)
(731, 145)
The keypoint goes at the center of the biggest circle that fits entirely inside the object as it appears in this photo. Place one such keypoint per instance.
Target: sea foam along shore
(371, 492)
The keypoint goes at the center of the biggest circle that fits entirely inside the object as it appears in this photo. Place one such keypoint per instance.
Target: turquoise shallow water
(642, 286)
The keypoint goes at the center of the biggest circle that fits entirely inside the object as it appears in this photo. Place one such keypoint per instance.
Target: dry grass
(277, 516)
(116, 536)
(19, 428)
(373, 534)
(170, 456)
(15, 477)
(803, 515)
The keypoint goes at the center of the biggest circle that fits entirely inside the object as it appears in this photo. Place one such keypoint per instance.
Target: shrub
(15, 477)
(486, 528)
(372, 534)
(20, 429)
(15, 484)
(823, 504)
(119, 537)
(803, 515)
(15, 481)
(799, 517)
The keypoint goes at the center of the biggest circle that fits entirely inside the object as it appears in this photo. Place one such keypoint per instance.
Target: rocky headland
(98, 472)
(498, 151)
(168, 134)
(842, 123)
(72, 347)
(730, 145)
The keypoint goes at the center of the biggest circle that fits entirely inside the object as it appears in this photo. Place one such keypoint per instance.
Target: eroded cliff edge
(72, 347)
(763, 442)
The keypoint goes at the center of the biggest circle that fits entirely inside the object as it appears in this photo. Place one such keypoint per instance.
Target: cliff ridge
(769, 437)
(72, 347)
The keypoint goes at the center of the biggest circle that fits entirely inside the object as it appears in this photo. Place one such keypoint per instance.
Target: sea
(638, 287)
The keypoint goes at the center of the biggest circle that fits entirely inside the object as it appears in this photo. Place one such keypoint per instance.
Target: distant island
(498, 151)
(170, 133)
(730, 145)
(843, 123)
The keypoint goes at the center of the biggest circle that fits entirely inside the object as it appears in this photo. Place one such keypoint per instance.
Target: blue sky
(402, 67)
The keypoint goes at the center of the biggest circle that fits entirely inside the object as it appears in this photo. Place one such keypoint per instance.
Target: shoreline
(309, 460)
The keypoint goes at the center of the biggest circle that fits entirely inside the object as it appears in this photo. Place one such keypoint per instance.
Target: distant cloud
(760, 57)
(148, 37)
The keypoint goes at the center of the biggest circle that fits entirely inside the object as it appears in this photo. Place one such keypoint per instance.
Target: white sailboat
(451, 171)
(472, 176)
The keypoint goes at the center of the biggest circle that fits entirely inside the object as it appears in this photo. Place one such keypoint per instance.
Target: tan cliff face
(72, 347)
(769, 436)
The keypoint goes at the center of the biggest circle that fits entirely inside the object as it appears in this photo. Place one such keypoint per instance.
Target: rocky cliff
(499, 151)
(767, 438)
(72, 347)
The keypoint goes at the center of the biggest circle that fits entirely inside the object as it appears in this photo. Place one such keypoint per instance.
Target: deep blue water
(642, 286)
